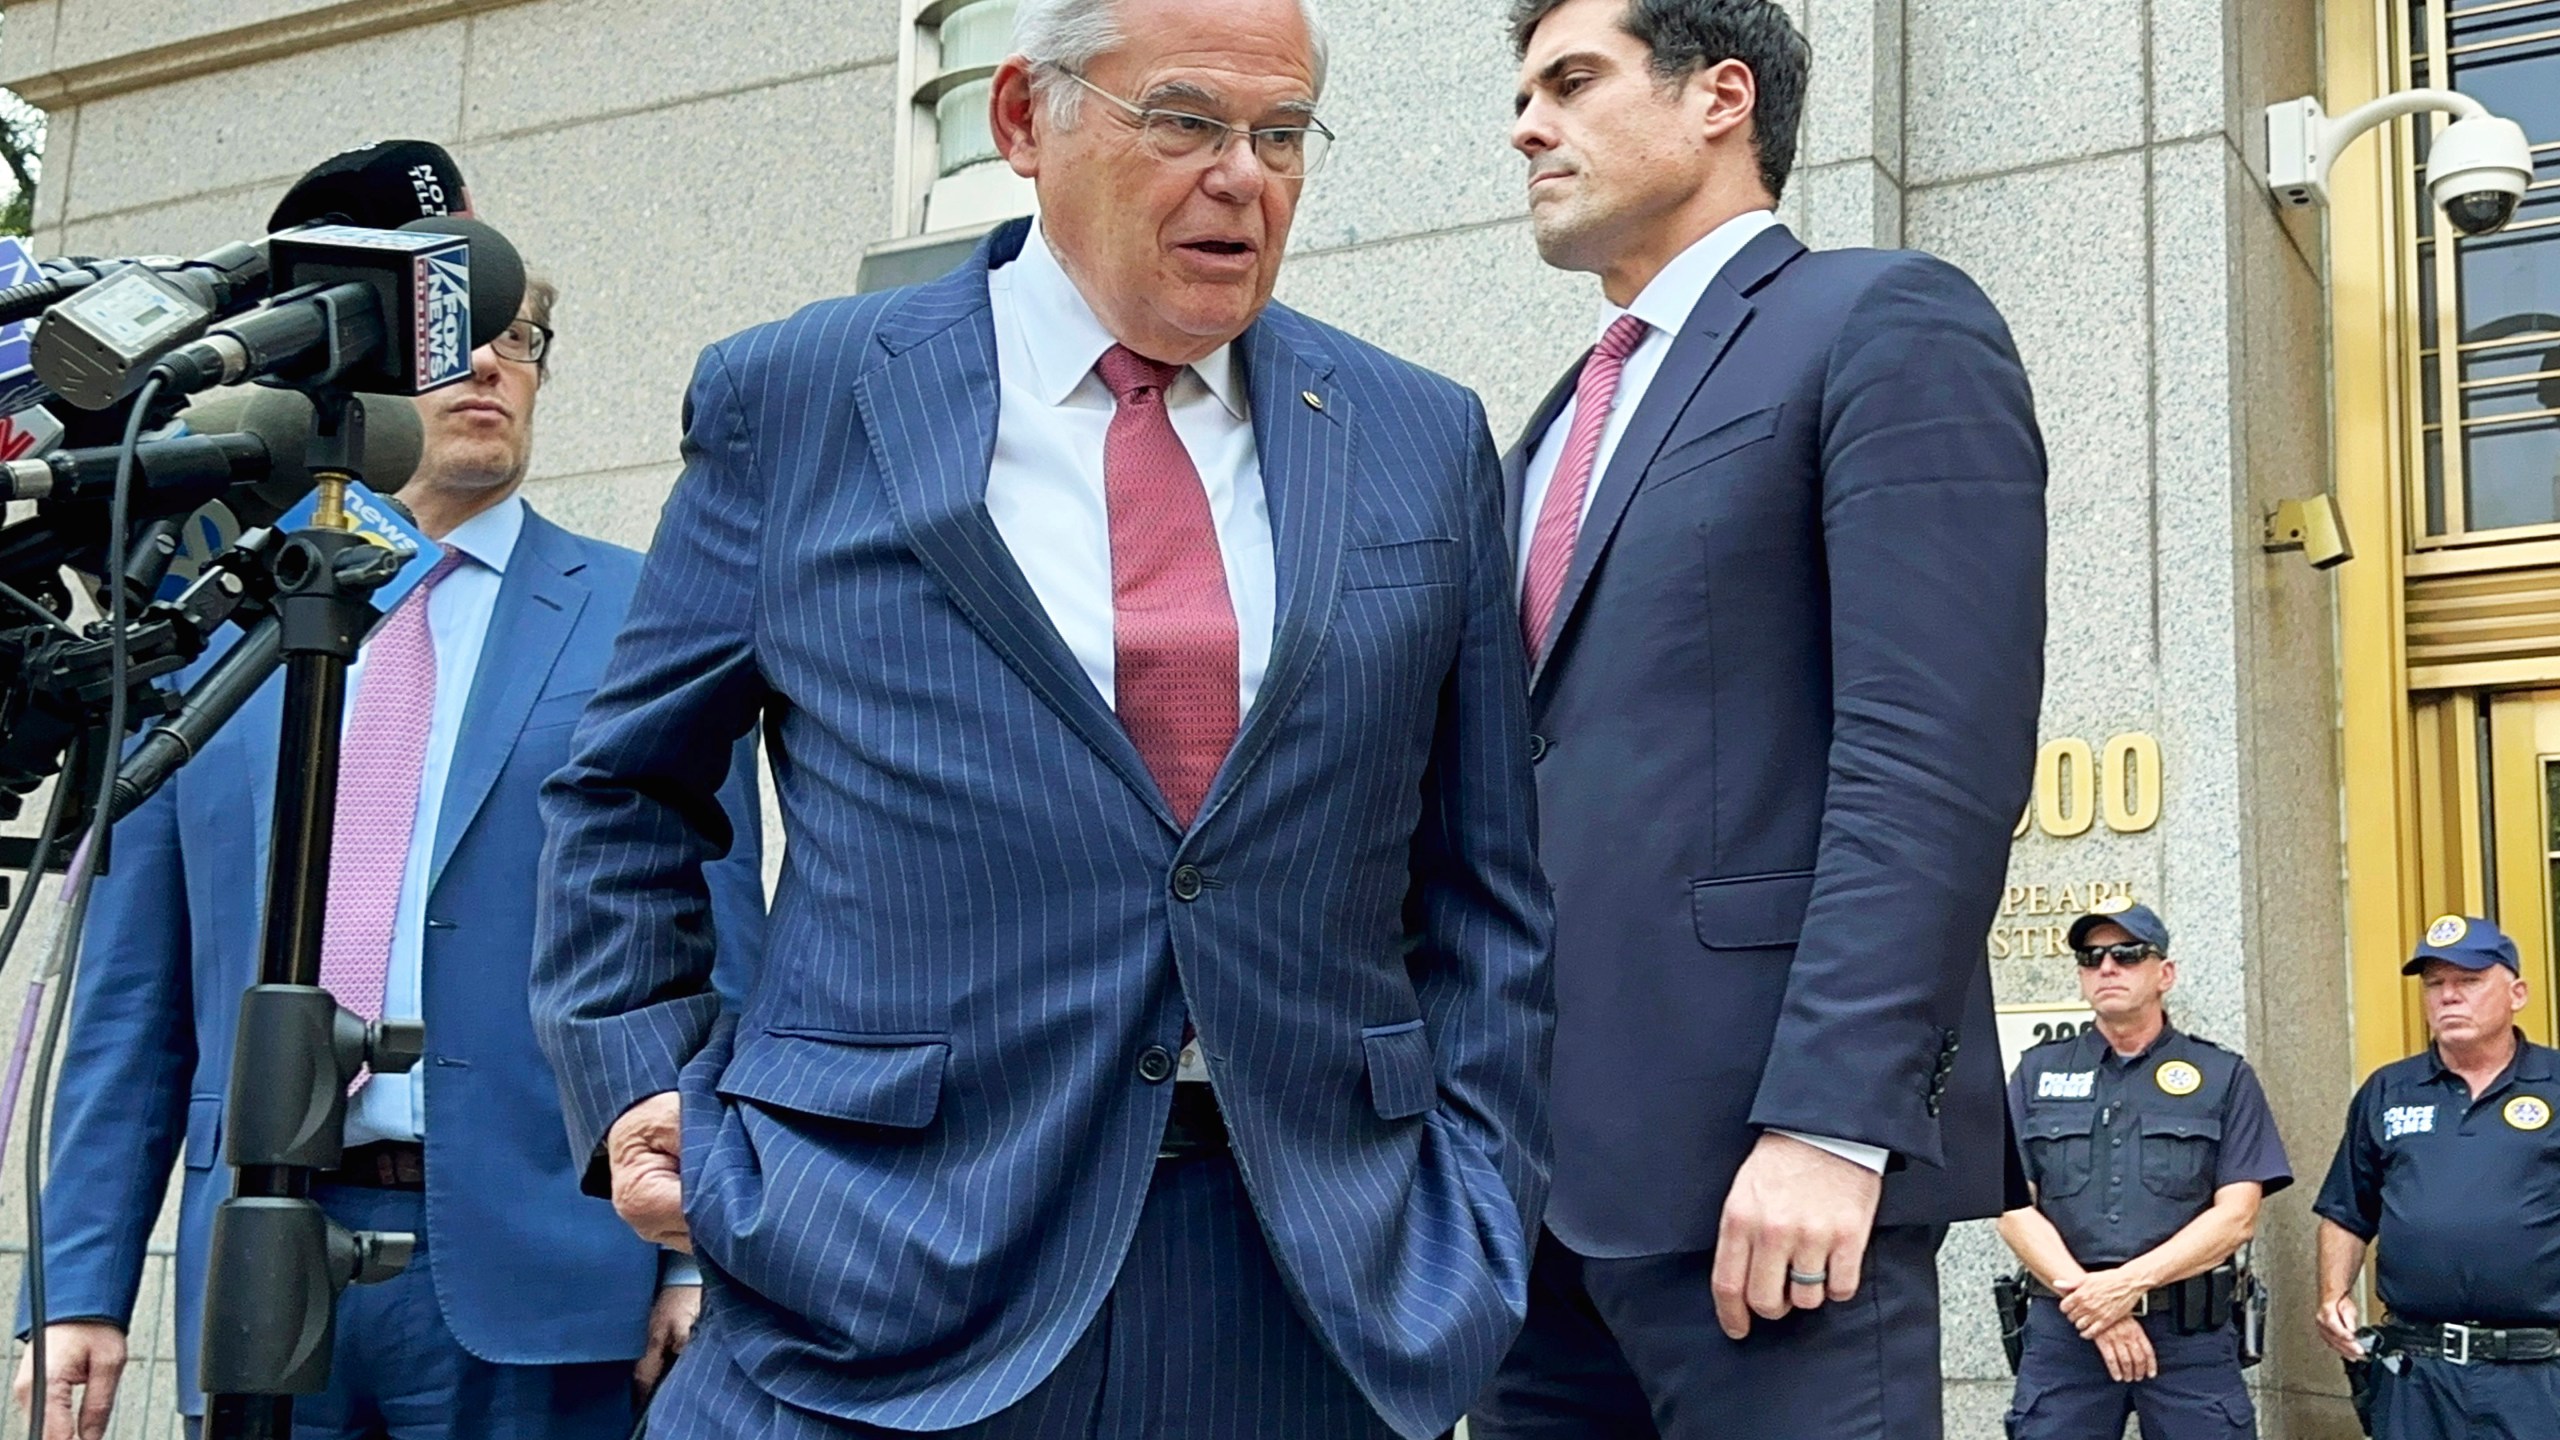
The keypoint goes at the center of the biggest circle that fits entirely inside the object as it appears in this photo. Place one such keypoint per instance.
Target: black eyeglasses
(2128, 954)
(526, 341)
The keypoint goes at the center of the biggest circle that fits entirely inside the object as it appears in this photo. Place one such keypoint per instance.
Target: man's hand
(2101, 1299)
(645, 1151)
(670, 1330)
(84, 1354)
(2338, 1319)
(1793, 1206)
(2126, 1347)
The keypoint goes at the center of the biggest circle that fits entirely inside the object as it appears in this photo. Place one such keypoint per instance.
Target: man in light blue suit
(527, 1302)
(1156, 1034)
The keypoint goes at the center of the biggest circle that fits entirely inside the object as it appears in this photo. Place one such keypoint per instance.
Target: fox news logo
(2402, 1120)
(444, 318)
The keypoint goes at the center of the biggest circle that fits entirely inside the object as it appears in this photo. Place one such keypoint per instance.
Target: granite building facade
(2226, 728)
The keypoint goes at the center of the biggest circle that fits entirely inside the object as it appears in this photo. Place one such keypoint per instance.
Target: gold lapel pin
(1314, 400)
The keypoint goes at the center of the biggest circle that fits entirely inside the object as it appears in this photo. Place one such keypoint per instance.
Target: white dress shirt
(394, 1107)
(1044, 488)
(1664, 306)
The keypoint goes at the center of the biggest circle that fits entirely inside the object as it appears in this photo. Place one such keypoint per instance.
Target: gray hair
(1063, 37)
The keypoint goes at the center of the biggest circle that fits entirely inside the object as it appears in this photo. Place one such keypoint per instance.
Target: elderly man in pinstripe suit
(1154, 1034)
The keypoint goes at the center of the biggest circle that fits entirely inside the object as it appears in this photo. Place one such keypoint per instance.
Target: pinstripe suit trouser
(1197, 1341)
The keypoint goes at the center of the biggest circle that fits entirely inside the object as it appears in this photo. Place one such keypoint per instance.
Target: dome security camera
(2477, 171)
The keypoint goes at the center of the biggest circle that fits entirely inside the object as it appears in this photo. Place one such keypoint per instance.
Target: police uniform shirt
(2462, 1195)
(2125, 1151)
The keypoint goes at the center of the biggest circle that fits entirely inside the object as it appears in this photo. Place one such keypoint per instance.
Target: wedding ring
(1798, 1277)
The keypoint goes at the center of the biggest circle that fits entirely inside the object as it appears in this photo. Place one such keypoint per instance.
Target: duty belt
(2460, 1344)
(2198, 1303)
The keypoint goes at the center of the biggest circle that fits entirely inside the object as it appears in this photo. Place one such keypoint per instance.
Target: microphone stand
(279, 1263)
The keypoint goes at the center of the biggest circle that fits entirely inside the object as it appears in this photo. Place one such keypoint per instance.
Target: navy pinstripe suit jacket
(916, 1157)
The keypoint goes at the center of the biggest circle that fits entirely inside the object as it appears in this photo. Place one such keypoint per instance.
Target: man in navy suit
(527, 1302)
(1156, 1040)
(1781, 549)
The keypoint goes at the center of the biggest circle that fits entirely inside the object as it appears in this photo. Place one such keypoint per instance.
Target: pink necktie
(384, 752)
(1560, 519)
(1173, 625)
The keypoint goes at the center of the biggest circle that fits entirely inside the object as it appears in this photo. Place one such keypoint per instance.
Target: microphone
(255, 441)
(382, 311)
(382, 186)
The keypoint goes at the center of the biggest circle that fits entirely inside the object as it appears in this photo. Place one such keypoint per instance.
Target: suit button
(1187, 882)
(1155, 1065)
(1537, 748)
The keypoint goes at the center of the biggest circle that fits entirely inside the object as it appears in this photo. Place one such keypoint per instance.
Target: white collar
(1066, 339)
(490, 536)
(1668, 298)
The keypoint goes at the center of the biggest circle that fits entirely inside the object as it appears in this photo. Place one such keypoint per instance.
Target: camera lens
(2481, 212)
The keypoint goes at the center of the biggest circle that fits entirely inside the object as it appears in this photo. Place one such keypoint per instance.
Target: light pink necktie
(1173, 625)
(384, 753)
(1560, 519)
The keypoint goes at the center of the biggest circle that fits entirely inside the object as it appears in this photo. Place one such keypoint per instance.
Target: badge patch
(2112, 905)
(2179, 1078)
(2402, 1120)
(2447, 930)
(2528, 1112)
(2066, 1084)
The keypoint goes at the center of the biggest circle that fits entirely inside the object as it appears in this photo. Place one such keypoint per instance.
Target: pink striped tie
(1560, 519)
(384, 753)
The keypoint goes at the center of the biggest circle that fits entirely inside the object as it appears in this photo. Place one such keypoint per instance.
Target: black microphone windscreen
(497, 274)
(381, 187)
(394, 439)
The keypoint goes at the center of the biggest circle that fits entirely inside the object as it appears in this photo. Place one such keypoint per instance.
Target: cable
(61, 969)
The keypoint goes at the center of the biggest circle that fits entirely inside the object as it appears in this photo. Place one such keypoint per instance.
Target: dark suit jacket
(1786, 726)
(915, 1161)
(528, 1270)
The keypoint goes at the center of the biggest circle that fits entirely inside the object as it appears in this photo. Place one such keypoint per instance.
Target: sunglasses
(2129, 954)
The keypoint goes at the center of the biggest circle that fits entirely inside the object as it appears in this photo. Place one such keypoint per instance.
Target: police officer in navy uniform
(2150, 1151)
(2451, 1163)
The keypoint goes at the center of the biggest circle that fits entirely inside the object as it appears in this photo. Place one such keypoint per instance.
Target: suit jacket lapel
(1304, 450)
(1515, 461)
(1720, 315)
(539, 601)
(930, 408)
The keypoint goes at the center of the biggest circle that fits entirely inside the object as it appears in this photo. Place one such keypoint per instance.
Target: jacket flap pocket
(2183, 1127)
(892, 1080)
(1401, 1081)
(1699, 451)
(204, 1131)
(1431, 561)
(1751, 912)
(2059, 1124)
(562, 709)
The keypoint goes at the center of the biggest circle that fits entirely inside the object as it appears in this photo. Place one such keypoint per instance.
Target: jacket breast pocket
(2178, 1153)
(563, 709)
(2059, 1144)
(1751, 912)
(1696, 453)
(1401, 563)
(890, 1081)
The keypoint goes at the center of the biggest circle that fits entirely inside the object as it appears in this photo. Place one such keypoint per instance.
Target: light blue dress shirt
(394, 1107)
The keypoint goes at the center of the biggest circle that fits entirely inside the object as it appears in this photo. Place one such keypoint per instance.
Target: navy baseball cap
(2140, 921)
(2467, 941)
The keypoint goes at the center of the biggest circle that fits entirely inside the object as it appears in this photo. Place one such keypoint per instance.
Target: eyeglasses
(2128, 954)
(1179, 137)
(526, 342)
